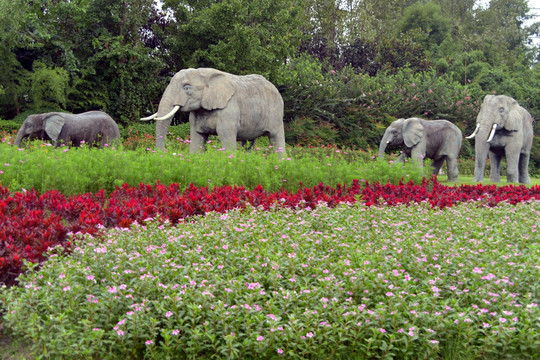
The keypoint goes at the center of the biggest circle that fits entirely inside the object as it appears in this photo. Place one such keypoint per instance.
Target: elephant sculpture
(236, 108)
(94, 128)
(503, 128)
(439, 140)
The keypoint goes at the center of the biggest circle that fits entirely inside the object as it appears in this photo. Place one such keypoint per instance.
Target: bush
(353, 110)
(9, 126)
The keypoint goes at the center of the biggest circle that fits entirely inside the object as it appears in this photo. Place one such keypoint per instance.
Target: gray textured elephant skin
(236, 108)
(503, 129)
(439, 140)
(95, 128)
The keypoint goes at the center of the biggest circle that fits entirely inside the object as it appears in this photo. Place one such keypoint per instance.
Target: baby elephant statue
(438, 140)
(94, 128)
(236, 108)
(503, 128)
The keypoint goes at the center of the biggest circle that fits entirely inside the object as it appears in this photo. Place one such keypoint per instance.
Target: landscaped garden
(326, 253)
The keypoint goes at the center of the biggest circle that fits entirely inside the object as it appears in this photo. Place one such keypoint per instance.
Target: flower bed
(350, 282)
(32, 223)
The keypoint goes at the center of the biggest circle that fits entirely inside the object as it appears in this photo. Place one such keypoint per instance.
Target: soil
(10, 350)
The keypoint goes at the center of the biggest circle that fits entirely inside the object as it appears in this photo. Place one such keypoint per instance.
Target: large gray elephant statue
(95, 128)
(503, 128)
(236, 108)
(439, 140)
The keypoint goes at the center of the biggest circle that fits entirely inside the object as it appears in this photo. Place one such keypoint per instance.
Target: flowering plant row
(32, 223)
(351, 282)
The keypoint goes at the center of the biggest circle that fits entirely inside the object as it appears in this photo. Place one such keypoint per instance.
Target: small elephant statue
(236, 108)
(503, 128)
(439, 140)
(94, 128)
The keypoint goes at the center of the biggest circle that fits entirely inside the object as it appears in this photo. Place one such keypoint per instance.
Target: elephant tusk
(474, 132)
(492, 133)
(169, 115)
(151, 117)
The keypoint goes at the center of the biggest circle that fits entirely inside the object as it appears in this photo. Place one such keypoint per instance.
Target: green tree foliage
(49, 87)
(96, 44)
(427, 22)
(233, 35)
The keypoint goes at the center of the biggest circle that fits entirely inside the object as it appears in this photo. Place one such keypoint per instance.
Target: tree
(96, 44)
(427, 23)
(236, 36)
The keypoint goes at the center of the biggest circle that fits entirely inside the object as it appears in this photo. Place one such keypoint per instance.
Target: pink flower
(280, 351)
(382, 330)
(260, 338)
(149, 342)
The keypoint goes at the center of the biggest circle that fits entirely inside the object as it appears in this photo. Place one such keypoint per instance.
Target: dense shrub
(349, 109)
(9, 126)
(404, 282)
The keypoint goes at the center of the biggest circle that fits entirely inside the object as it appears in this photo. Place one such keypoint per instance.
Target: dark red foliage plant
(31, 223)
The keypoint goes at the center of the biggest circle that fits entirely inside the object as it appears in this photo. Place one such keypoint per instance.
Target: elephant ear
(53, 126)
(218, 91)
(513, 123)
(412, 132)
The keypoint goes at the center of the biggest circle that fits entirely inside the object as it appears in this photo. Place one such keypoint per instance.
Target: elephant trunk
(481, 150)
(20, 136)
(162, 127)
(166, 110)
(384, 143)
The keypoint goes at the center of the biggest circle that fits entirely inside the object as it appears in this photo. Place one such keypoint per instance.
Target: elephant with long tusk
(503, 128)
(236, 108)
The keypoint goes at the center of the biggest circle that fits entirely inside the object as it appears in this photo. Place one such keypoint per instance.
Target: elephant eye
(501, 109)
(188, 89)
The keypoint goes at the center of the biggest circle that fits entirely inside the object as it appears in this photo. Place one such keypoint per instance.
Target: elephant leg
(227, 137)
(197, 142)
(495, 167)
(436, 165)
(524, 168)
(452, 168)
(418, 156)
(402, 157)
(277, 141)
(512, 165)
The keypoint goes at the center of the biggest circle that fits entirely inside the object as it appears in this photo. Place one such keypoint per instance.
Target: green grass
(74, 171)
(468, 180)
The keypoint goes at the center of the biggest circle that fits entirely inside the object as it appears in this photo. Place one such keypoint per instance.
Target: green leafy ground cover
(352, 282)
(75, 171)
